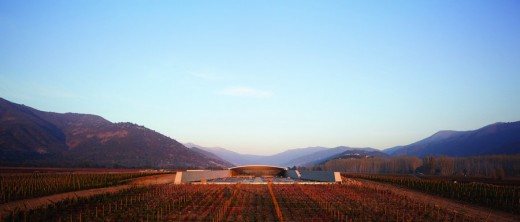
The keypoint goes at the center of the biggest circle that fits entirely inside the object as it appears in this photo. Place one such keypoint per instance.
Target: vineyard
(244, 202)
(506, 198)
(30, 185)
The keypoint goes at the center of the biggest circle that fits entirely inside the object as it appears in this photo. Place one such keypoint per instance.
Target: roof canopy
(258, 167)
(257, 170)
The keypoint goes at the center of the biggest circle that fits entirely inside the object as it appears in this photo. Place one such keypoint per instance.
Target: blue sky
(260, 77)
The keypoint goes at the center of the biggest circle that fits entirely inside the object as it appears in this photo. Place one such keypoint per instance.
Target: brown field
(508, 181)
(33, 183)
(155, 198)
(4, 170)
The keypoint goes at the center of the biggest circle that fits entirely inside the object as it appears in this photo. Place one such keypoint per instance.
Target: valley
(81, 167)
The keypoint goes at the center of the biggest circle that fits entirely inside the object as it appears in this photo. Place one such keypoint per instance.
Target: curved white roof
(266, 166)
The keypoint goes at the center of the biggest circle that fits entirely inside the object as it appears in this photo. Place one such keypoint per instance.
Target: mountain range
(291, 157)
(29, 137)
(494, 139)
(497, 138)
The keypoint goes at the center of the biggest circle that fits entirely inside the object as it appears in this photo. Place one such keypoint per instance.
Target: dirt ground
(43, 201)
(485, 214)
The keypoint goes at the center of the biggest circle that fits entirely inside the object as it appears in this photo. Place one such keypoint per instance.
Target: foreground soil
(35, 203)
(468, 209)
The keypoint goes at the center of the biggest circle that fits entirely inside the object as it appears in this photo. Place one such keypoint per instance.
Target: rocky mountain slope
(36, 138)
(498, 138)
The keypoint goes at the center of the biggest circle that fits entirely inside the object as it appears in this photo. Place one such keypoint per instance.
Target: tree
(429, 164)
(500, 173)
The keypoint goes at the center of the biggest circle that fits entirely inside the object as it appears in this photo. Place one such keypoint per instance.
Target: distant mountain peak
(445, 134)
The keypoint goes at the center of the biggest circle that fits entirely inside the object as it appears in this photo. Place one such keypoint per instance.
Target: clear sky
(260, 77)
